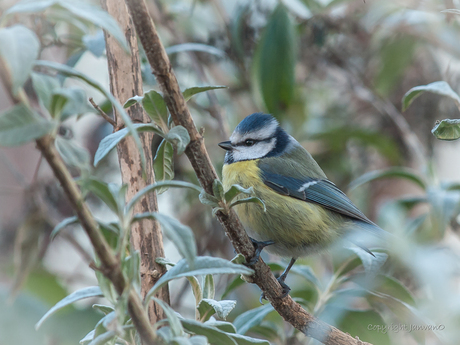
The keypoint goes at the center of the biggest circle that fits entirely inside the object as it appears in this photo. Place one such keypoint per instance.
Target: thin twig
(102, 113)
(196, 152)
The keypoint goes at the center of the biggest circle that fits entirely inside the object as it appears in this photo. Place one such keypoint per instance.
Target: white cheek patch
(307, 185)
(259, 150)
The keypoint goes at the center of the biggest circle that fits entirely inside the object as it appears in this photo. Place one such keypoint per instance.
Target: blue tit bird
(305, 212)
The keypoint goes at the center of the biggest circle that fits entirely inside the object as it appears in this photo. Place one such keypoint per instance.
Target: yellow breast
(295, 225)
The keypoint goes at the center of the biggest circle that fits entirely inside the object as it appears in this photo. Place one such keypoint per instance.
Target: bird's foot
(258, 246)
(285, 289)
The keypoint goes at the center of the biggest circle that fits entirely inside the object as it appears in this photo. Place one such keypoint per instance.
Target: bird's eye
(249, 142)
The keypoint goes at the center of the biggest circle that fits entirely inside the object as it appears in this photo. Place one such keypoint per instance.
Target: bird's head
(257, 136)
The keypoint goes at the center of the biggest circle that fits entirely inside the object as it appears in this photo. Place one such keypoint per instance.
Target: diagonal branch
(196, 152)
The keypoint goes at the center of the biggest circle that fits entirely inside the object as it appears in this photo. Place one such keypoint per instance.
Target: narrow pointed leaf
(19, 48)
(247, 200)
(155, 107)
(110, 141)
(92, 291)
(98, 17)
(251, 318)
(202, 265)
(180, 235)
(133, 100)
(399, 172)
(274, 71)
(62, 225)
(173, 320)
(208, 286)
(195, 47)
(20, 125)
(190, 92)
(103, 338)
(235, 190)
(214, 335)
(438, 87)
(163, 164)
(73, 154)
(71, 72)
(157, 185)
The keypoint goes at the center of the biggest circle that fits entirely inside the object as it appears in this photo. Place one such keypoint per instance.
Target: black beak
(226, 145)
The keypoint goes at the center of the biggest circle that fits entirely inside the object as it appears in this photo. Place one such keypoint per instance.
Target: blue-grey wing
(309, 189)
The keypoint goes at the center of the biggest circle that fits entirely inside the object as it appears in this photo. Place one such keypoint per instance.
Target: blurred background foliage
(334, 74)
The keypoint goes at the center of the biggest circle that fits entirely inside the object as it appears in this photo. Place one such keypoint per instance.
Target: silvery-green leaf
(448, 129)
(92, 291)
(198, 340)
(399, 172)
(275, 72)
(57, 104)
(105, 309)
(102, 190)
(247, 200)
(218, 189)
(88, 338)
(133, 100)
(202, 265)
(208, 199)
(239, 259)
(251, 318)
(20, 125)
(180, 235)
(235, 190)
(164, 261)
(95, 43)
(72, 154)
(208, 286)
(245, 340)
(103, 339)
(225, 326)
(19, 48)
(307, 273)
(62, 225)
(157, 185)
(155, 107)
(110, 141)
(30, 6)
(163, 164)
(214, 335)
(69, 71)
(98, 17)
(190, 92)
(173, 320)
(372, 264)
(179, 137)
(208, 307)
(438, 87)
(44, 85)
(197, 47)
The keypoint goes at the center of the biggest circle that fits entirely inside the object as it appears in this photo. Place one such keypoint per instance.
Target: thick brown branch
(291, 311)
(109, 264)
(125, 82)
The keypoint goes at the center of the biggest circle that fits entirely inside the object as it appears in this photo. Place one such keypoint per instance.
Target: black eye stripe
(254, 140)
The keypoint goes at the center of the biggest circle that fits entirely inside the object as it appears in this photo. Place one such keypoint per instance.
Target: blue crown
(254, 122)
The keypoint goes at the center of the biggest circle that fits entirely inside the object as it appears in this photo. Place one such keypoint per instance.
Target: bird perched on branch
(305, 212)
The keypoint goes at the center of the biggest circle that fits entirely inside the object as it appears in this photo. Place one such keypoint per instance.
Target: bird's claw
(258, 246)
(284, 288)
